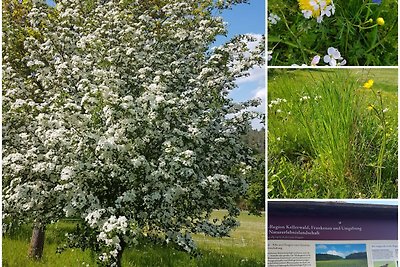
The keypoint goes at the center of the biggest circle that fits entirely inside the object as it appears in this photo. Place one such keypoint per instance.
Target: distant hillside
(353, 256)
(328, 257)
(358, 255)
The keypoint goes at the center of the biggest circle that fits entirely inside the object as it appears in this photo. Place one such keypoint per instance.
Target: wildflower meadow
(332, 133)
(332, 32)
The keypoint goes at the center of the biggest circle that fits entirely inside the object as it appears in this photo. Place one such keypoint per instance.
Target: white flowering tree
(31, 160)
(117, 112)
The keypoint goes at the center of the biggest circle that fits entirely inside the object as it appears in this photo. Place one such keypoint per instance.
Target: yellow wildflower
(380, 21)
(306, 5)
(368, 84)
(370, 107)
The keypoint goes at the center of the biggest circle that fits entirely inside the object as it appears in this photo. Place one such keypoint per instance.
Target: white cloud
(321, 247)
(337, 253)
(257, 37)
(260, 92)
(255, 79)
(257, 124)
(257, 74)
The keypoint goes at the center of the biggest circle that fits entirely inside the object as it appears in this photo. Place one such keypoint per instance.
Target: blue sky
(341, 250)
(244, 18)
(247, 19)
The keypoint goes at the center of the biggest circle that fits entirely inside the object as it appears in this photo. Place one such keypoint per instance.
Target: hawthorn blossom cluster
(118, 113)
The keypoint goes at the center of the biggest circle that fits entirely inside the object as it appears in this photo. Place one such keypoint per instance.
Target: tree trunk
(37, 242)
(119, 256)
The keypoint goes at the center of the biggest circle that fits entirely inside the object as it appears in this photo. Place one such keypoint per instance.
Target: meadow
(343, 263)
(364, 32)
(332, 133)
(245, 247)
(385, 263)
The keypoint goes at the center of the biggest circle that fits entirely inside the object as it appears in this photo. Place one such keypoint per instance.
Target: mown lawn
(245, 247)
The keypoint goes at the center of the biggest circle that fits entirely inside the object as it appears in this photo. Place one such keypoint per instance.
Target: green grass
(329, 145)
(245, 247)
(380, 263)
(343, 263)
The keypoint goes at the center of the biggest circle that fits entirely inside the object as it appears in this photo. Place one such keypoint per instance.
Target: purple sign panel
(289, 228)
(299, 223)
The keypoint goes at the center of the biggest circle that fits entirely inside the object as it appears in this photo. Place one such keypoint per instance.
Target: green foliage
(256, 140)
(325, 141)
(255, 196)
(254, 200)
(352, 30)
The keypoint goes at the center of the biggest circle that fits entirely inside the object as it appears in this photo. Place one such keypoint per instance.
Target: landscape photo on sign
(341, 255)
